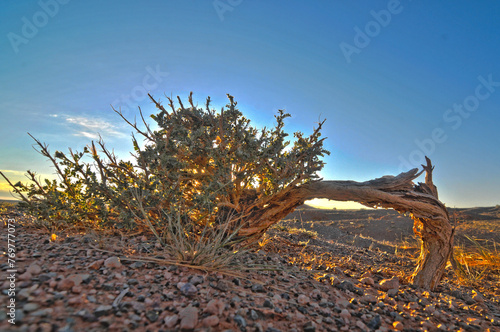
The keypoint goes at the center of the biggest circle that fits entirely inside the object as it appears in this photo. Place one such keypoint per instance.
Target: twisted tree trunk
(430, 216)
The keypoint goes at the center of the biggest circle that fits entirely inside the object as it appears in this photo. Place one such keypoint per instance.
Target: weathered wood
(431, 219)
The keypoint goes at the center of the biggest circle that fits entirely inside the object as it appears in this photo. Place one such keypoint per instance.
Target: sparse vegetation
(477, 260)
(194, 182)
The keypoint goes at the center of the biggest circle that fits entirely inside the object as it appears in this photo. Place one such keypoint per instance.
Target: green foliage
(199, 171)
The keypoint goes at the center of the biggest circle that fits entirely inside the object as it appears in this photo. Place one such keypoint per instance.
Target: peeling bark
(430, 216)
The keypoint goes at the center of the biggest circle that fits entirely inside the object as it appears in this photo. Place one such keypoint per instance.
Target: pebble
(374, 323)
(303, 299)
(189, 318)
(187, 288)
(25, 276)
(44, 327)
(29, 307)
(40, 313)
(258, 288)
(171, 321)
(345, 314)
(387, 284)
(215, 307)
(112, 263)
(254, 315)
(96, 265)
(240, 321)
(392, 292)
(367, 281)
(152, 315)
(196, 280)
(361, 325)
(34, 269)
(103, 310)
(79, 278)
(137, 265)
(210, 321)
(309, 327)
(369, 299)
(65, 284)
(398, 326)
(268, 304)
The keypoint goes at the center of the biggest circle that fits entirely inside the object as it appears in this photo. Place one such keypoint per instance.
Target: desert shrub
(195, 178)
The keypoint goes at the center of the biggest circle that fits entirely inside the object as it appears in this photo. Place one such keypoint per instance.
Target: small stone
(135, 318)
(103, 310)
(268, 304)
(398, 326)
(96, 265)
(44, 327)
(171, 321)
(392, 292)
(46, 276)
(187, 288)
(361, 325)
(299, 316)
(112, 263)
(25, 276)
(240, 321)
(40, 313)
(369, 299)
(254, 315)
(65, 284)
(196, 280)
(79, 278)
(137, 265)
(210, 321)
(477, 296)
(374, 323)
(76, 300)
(85, 315)
(20, 314)
(29, 307)
(189, 318)
(413, 306)
(132, 282)
(442, 327)
(152, 315)
(430, 308)
(221, 285)
(34, 269)
(387, 284)
(76, 289)
(309, 327)
(347, 285)
(367, 281)
(345, 314)
(258, 288)
(303, 299)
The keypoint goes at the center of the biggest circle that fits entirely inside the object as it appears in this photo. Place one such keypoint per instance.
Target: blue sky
(394, 79)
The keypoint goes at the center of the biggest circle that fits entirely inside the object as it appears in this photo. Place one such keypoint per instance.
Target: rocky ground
(295, 282)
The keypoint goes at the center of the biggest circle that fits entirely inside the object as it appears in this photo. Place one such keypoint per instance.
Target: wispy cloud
(91, 127)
